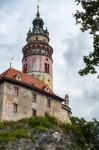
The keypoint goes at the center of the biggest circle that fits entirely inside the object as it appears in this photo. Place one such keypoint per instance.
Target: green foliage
(40, 129)
(41, 148)
(88, 18)
(1, 125)
(51, 119)
(20, 133)
(47, 122)
(67, 128)
(12, 135)
(89, 130)
(74, 130)
(34, 139)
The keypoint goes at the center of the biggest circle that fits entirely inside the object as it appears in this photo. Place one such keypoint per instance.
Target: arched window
(36, 38)
(46, 68)
(25, 68)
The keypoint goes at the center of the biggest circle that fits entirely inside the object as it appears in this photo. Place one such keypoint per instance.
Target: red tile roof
(29, 80)
(12, 73)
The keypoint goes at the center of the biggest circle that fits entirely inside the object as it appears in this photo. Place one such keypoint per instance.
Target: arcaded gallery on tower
(30, 92)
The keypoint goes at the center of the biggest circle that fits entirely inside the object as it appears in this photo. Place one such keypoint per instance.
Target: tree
(88, 18)
(88, 130)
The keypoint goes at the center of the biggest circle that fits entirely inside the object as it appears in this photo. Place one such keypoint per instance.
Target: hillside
(46, 133)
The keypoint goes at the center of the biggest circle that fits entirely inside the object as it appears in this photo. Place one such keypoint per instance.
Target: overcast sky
(69, 46)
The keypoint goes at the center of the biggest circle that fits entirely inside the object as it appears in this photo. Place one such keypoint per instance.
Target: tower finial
(11, 62)
(38, 14)
(38, 1)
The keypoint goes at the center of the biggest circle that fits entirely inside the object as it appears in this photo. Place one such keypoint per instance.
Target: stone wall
(39, 38)
(25, 104)
(23, 101)
(36, 67)
(1, 98)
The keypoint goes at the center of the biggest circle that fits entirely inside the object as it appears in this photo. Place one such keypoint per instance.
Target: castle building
(29, 92)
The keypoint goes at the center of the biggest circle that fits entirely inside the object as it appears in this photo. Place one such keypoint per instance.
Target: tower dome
(38, 23)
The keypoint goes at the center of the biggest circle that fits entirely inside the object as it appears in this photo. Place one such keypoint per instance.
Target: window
(46, 68)
(15, 107)
(34, 112)
(25, 68)
(16, 91)
(34, 97)
(36, 38)
(48, 103)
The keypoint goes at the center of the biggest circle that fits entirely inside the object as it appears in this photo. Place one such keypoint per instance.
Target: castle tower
(37, 53)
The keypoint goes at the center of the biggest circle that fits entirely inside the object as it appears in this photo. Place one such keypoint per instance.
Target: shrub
(41, 129)
(74, 130)
(13, 135)
(1, 125)
(41, 148)
(40, 121)
(20, 133)
(6, 137)
(51, 119)
(67, 128)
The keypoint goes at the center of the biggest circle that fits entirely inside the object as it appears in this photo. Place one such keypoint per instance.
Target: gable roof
(12, 73)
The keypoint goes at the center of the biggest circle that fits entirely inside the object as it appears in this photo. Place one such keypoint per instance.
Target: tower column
(37, 53)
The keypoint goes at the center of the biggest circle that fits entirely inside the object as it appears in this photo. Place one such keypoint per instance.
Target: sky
(68, 42)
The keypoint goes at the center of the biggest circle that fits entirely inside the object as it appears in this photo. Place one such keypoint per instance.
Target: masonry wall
(1, 98)
(26, 105)
(23, 101)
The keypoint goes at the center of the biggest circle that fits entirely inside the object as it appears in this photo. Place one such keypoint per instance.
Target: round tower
(37, 53)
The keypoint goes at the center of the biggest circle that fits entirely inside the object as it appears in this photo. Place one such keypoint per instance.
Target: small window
(34, 112)
(48, 103)
(36, 38)
(25, 68)
(16, 91)
(34, 97)
(46, 68)
(15, 107)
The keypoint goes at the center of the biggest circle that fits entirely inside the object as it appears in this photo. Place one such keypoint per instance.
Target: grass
(1, 125)
(13, 135)
(40, 129)
(47, 122)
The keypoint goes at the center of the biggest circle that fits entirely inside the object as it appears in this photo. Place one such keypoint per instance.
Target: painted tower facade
(37, 53)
